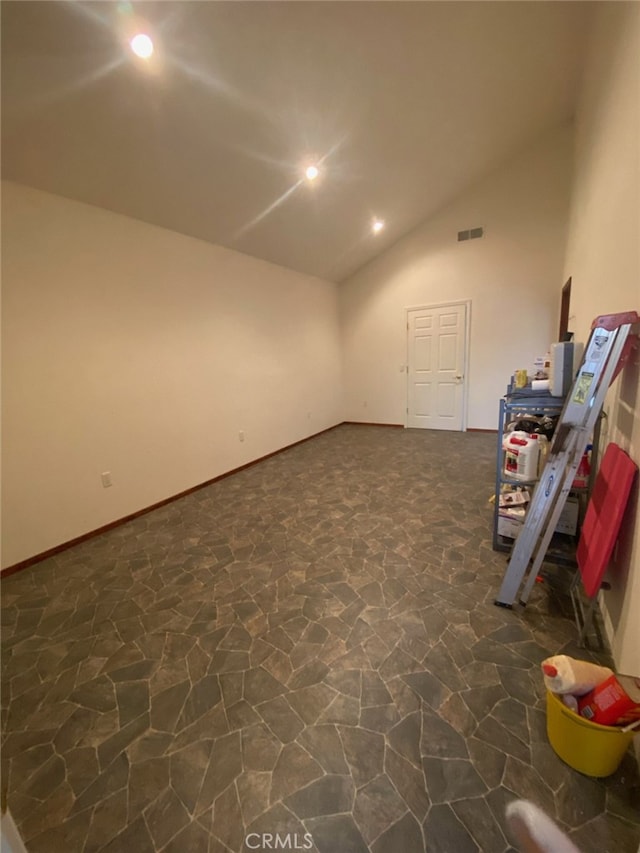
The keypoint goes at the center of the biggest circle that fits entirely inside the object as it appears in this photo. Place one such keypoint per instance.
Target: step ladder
(609, 347)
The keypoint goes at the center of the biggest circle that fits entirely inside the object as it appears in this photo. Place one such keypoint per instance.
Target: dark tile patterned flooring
(307, 646)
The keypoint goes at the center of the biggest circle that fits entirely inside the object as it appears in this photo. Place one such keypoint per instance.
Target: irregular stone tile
(428, 687)
(481, 674)
(364, 752)
(241, 715)
(253, 793)
(25, 764)
(607, 833)
(379, 719)
(482, 700)
(229, 661)
(326, 796)
(310, 674)
(279, 665)
(134, 837)
(203, 697)
(324, 744)
(398, 663)
(213, 725)
(439, 739)
(405, 738)
(293, 770)
(487, 760)
(167, 705)
(373, 690)
(513, 716)
(579, 803)
(198, 662)
(404, 835)
(495, 734)
(343, 710)
(327, 832)
(377, 806)
(115, 777)
(117, 743)
(133, 700)
(108, 820)
(97, 695)
(225, 764)
(232, 685)
(347, 681)
(479, 821)
(259, 686)
(67, 836)
(492, 652)
(187, 771)
(520, 685)
(45, 779)
(281, 719)
(237, 638)
(451, 779)
(192, 839)
(45, 814)
(444, 832)
(278, 820)
(134, 672)
(408, 781)
(315, 633)
(227, 824)
(439, 662)
(455, 711)
(260, 748)
(146, 781)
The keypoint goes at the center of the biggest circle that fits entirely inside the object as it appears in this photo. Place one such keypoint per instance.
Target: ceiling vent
(471, 234)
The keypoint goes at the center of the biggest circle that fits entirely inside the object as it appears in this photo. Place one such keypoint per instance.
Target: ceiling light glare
(142, 45)
(377, 226)
(311, 173)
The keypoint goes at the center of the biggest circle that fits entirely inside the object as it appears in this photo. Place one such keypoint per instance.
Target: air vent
(471, 234)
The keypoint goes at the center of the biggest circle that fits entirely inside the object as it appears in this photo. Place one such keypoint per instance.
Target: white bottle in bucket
(521, 455)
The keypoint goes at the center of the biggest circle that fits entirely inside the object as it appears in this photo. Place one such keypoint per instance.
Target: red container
(615, 702)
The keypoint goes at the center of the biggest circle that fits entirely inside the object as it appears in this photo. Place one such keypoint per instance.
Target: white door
(435, 366)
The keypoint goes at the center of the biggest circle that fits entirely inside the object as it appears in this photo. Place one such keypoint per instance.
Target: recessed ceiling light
(311, 173)
(377, 226)
(142, 45)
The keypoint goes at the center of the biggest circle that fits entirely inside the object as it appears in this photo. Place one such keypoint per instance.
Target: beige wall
(513, 276)
(603, 259)
(132, 349)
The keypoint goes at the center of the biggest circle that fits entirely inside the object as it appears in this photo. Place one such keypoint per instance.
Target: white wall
(132, 349)
(513, 275)
(603, 259)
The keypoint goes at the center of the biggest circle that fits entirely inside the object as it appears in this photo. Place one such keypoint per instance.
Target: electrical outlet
(106, 479)
(241, 435)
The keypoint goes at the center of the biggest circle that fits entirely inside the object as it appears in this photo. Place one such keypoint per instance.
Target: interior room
(248, 576)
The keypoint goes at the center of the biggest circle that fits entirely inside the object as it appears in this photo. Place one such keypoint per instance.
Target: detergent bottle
(521, 455)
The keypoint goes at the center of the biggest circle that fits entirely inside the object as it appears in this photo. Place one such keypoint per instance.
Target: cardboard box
(615, 702)
(568, 521)
(509, 527)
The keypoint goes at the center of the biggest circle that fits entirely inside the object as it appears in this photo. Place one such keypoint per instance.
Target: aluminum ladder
(609, 347)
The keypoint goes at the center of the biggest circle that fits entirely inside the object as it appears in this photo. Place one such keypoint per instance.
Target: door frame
(467, 347)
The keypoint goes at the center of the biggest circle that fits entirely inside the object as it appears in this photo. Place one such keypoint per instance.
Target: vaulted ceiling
(401, 105)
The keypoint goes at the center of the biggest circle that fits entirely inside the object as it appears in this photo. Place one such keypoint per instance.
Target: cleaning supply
(614, 702)
(563, 674)
(521, 455)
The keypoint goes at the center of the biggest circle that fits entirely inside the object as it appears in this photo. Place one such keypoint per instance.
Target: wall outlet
(241, 435)
(106, 479)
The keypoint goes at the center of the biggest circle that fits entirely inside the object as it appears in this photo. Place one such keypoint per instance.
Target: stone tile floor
(309, 647)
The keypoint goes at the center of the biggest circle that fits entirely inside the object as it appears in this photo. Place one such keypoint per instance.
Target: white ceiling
(404, 105)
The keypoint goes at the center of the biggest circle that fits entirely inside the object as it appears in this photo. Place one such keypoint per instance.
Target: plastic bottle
(521, 455)
(563, 674)
(543, 444)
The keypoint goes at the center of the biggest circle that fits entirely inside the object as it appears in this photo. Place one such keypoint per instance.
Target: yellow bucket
(589, 748)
